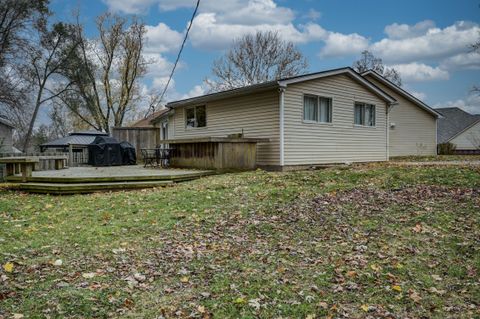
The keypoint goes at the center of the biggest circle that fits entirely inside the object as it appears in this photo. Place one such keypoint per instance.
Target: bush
(446, 149)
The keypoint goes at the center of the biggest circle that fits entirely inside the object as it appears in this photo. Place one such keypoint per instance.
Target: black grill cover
(128, 154)
(104, 151)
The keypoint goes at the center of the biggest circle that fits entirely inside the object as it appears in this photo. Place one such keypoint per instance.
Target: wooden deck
(78, 180)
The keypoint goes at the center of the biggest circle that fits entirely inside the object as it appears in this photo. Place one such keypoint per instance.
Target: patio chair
(150, 157)
(164, 157)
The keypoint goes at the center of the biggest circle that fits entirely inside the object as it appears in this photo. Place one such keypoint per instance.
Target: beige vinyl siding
(415, 128)
(339, 141)
(468, 140)
(257, 114)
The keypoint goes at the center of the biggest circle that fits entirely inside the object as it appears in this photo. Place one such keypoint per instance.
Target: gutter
(282, 89)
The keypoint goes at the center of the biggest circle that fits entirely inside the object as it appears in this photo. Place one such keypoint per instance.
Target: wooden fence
(139, 137)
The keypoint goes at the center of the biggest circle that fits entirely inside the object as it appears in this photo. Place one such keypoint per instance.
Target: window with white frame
(195, 116)
(317, 109)
(364, 114)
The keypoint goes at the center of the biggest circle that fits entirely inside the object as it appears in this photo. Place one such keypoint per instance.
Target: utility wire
(152, 108)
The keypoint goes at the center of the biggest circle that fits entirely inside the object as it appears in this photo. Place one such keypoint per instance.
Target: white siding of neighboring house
(257, 114)
(338, 142)
(415, 129)
(468, 140)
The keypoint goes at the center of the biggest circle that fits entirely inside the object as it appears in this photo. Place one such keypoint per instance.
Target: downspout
(282, 125)
(436, 136)
(389, 108)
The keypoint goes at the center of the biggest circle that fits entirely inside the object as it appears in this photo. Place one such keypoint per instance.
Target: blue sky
(427, 41)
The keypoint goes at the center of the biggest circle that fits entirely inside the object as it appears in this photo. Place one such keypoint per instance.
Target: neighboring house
(6, 136)
(335, 116)
(459, 128)
(157, 119)
(413, 124)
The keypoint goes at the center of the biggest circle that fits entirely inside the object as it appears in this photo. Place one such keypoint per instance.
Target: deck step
(84, 188)
(108, 179)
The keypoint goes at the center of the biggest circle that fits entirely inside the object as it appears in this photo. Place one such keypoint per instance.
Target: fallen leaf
(239, 300)
(418, 228)
(8, 267)
(17, 316)
(184, 279)
(437, 277)
(323, 305)
(365, 308)
(310, 316)
(351, 273)
(437, 291)
(397, 288)
(201, 309)
(88, 275)
(414, 296)
(58, 262)
(375, 267)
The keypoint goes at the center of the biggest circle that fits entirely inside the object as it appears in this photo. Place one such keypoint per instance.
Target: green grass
(367, 240)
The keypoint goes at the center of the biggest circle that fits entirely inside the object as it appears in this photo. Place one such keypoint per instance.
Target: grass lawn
(435, 158)
(364, 241)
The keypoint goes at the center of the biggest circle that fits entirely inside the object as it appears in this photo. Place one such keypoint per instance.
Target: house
(6, 139)
(149, 120)
(334, 116)
(413, 124)
(459, 128)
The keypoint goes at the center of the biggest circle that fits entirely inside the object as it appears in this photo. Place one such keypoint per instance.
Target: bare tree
(476, 48)
(56, 47)
(20, 20)
(368, 61)
(105, 72)
(255, 59)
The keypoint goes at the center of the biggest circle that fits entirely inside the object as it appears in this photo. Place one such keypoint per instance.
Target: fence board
(139, 137)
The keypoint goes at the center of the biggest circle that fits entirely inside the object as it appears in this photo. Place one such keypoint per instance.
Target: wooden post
(26, 171)
(70, 155)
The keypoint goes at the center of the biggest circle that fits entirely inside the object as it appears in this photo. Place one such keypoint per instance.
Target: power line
(152, 108)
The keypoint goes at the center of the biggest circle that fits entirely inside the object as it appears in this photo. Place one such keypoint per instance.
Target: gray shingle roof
(454, 121)
(79, 138)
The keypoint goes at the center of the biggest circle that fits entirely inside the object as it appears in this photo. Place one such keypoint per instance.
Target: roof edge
(402, 92)
(282, 83)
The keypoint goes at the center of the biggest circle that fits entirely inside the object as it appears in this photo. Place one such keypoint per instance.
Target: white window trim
(195, 127)
(362, 125)
(317, 122)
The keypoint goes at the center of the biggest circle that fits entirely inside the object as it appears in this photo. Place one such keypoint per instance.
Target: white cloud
(434, 43)
(196, 91)
(469, 61)
(343, 44)
(129, 6)
(161, 38)
(158, 65)
(419, 95)
(404, 31)
(313, 15)
(210, 34)
(416, 72)
(470, 104)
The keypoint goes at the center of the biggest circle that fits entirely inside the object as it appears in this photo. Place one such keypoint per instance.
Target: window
(364, 114)
(195, 117)
(317, 109)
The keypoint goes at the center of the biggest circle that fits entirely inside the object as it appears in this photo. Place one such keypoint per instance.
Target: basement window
(195, 117)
